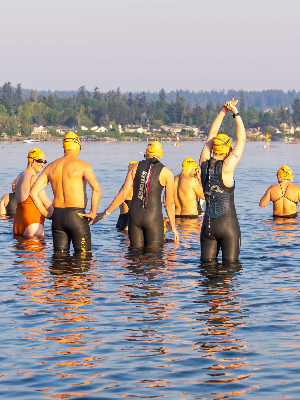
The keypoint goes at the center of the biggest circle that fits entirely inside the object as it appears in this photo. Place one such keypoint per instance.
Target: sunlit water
(151, 326)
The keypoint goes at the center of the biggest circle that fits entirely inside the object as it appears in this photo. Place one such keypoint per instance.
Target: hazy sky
(149, 44)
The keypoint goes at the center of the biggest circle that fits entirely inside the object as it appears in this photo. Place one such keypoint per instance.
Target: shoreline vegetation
(120, 116)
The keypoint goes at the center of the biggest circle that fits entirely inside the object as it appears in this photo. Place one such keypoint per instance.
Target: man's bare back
(67, 177)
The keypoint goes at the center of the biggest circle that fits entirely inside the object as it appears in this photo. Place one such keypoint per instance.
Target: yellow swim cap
(13, 185)
(221, 144)
(35, 154)
(71, 141)
(285, 172)
(154, 149)
(189, 163)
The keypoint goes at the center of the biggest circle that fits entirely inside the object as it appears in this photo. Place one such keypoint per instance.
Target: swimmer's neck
(186, 172)
(72, 153)
(220, 156)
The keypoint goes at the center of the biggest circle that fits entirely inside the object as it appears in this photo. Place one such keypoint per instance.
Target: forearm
(39, 204)
(170, 210)
(96, 195)
(117, 201)
(240, 129)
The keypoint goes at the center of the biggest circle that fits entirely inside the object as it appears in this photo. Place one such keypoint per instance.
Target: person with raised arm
(147, 178)
(220, 228)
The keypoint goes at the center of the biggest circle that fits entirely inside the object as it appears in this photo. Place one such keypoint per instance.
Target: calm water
(153, 326)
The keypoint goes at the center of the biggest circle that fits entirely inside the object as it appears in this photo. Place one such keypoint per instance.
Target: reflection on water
(141, 324)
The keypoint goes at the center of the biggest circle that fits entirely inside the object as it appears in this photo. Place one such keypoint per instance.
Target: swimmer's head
(285, 173)
(189, 163)
(221, 144)
(154, 149)
(131, 163)
(35, 154)
(71, 141)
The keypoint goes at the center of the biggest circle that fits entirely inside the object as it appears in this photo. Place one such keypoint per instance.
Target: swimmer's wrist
(106, 212)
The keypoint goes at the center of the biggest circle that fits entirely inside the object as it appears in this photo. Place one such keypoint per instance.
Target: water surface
(122, 324)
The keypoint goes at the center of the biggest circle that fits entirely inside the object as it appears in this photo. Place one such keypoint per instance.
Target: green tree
(32, 96)
(242, 107)
(296, 111)
(19, 95)
(162, 95)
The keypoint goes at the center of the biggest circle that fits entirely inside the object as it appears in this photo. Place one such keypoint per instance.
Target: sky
(141, 45)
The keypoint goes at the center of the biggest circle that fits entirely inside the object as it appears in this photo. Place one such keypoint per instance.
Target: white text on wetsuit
(142, 184)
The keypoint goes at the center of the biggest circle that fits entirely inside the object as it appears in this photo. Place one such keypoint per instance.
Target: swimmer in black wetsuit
(123, 219)
(8, 203)
(148, 178)
(284, 195)
(220, 228)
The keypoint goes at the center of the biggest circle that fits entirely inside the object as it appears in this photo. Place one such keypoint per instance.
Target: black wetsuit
(68, 226)
(220, 228)
(11, 205)
(146, 224)
(122, 222)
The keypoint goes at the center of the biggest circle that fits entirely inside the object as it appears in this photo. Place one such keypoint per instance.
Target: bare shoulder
(167, 172)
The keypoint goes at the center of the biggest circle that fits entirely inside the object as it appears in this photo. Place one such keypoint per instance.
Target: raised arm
(206, 152)
(198, 189)
(167, 180)
(38, 186)
(89, 176)
(234, 157)
(265, 199)
(121, 196)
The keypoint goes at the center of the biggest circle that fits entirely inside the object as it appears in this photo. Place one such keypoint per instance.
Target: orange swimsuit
(26, 214)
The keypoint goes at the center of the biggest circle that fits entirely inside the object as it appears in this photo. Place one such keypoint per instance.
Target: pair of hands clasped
(230, 106)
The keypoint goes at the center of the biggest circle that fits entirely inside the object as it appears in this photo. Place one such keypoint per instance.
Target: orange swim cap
(285, 172)
(221, 144)
(154, 149)
(35, 154)
(189, 163)
(71, 141)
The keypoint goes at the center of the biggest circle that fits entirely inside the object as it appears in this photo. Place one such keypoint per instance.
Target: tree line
(84, 108)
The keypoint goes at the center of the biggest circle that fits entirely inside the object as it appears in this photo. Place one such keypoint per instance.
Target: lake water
(153, 326)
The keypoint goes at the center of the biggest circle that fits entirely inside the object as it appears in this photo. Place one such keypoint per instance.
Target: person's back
(66, 176)
(186, 189)
(284, 195)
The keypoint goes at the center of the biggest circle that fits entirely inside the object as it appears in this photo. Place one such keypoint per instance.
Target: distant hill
(259, 99)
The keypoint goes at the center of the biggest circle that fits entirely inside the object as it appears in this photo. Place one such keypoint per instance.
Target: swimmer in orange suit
(28, 220)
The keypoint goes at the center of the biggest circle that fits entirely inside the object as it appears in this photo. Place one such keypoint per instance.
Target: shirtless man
(28, 220)
(68, 177)
(148, 178)
(186, 189)
(284, 195)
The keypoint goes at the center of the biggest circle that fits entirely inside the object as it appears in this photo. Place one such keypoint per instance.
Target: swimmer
(122, 223)
(220, 228)
(68, 177)
(187, 186)
(28, 220)
(8, 203)
(284, 194)
(147, 178)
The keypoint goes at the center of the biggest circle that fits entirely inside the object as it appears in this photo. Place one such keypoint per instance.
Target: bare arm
(206, 152)
(121, 196)
(91, 179)
(3, 204)
(198, 189)
(234, 157)
(265, 199)
(38, 186)
(168, 180)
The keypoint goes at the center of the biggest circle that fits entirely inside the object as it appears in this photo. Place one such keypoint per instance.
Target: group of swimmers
(140, 196)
